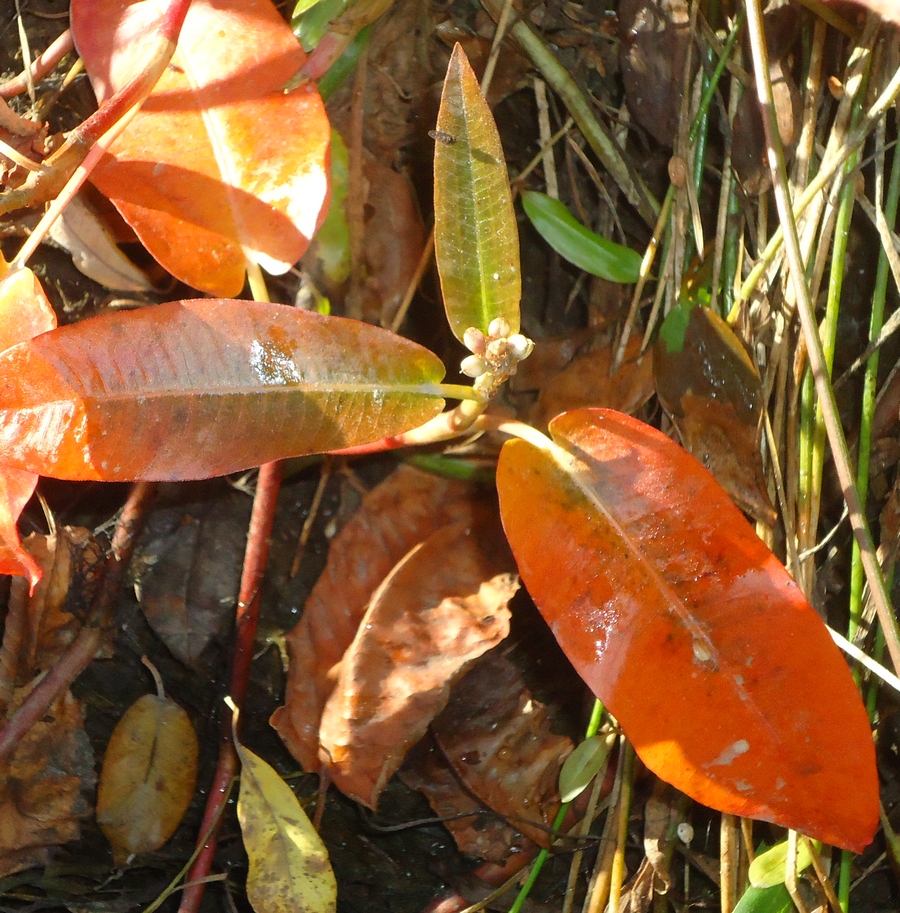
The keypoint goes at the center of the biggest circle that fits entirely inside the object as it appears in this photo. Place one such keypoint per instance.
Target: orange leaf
(24, 313)
(220, 164)
(688, 628)
(194, 389)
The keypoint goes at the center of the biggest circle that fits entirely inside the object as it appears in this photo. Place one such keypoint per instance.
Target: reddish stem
(258, 539)
(89, 640)
(44, 185)
(41, 67)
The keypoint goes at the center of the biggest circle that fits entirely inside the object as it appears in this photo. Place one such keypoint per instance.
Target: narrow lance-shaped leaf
(688, 628)
(577, 244)
(475, 236)
(194, 389)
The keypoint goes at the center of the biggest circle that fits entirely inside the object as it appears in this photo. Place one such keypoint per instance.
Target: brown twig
(258, 538)
(89, 640)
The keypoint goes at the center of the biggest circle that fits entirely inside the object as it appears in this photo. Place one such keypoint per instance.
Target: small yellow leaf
(289, 867)
(148, 778)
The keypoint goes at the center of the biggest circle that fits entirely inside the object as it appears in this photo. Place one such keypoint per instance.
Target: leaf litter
(338, 654)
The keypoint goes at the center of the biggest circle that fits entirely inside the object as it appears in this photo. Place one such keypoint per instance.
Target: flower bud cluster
(498, 353)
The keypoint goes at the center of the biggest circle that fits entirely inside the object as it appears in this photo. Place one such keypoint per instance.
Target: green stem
(562, 83)
(876, 322)
(592, 728)
(816, 356)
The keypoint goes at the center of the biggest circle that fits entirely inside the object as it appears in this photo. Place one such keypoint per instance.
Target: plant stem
(83, 649)
(45, 185)
(247, 616)
(552, 70)
(816, 356)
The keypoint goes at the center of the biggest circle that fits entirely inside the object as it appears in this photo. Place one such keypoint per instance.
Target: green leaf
(289, 866)
(583, 765)
(770, 868)
(765, 900)
(311, 19)
(331, 246)
(475, 236)
(195, 389)
(577, 244)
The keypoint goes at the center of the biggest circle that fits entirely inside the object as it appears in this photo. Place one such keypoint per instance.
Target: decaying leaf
(395, 516)
(44, 785)
(220, 164)
(713, 390)
(655, 41)
(46, 781)
(289, 867)
(441, 607)
(477, 830)
(192, 566)
(148, 778)
(587, 381)
(81, 231)
(499, 741)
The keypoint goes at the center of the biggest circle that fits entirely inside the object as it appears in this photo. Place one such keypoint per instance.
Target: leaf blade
(731, 714)
(579, 245)
(200, 388)
(289, 865)
(248, 175)
(475, 235)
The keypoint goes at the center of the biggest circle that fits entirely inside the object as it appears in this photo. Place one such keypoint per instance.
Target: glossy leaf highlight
(195, 389)
(220, 164)
(577, 244)
(687, 627)
(475, 236)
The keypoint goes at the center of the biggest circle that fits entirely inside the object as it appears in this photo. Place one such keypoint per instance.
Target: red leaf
(194, 389)
(688, 628)
(220, 164)
(24, 312)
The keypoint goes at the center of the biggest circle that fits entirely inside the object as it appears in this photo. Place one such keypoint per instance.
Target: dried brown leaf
(441, 607)
(44, 785)
(481, 833)
(498, 739)
(587, 381)
(148, 778)
(395, 516)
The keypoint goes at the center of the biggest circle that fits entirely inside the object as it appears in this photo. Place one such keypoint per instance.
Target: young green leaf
(195, 389)
(770, 868)
(688, 628)
(475, 236)
(577, 244)
(765, 900)
(583, 765)
(289, 865)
